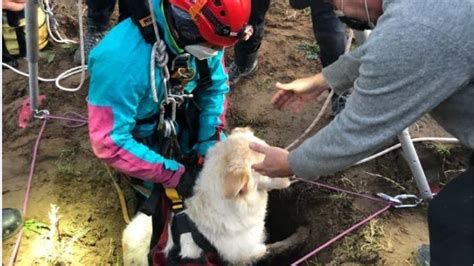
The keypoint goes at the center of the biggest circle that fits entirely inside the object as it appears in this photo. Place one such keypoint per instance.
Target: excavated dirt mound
(68, 175)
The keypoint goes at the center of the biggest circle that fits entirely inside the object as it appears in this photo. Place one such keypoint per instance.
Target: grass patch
(66, 162)
(442, 149)
(311, 48)
(264, 83)
(364, 246)
(34, 226)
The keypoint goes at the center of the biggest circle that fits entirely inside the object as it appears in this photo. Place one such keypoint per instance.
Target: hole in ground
(281, 222)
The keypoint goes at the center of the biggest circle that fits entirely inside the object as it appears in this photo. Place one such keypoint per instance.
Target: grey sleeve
(404, 73)
(341, 74)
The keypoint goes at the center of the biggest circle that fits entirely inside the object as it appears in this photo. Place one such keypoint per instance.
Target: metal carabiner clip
(399, 200)
(41, 114)
(180, 59)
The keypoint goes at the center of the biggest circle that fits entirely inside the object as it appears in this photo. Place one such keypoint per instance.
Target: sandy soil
(68, 174)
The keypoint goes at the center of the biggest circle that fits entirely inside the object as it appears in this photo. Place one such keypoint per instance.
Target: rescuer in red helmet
(157, 95)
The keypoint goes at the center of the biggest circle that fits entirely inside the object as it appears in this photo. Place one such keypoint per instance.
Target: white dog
(228, 206)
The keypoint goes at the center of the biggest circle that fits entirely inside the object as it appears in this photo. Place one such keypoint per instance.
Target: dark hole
(217, 2)
(222, 13)
(281, 222)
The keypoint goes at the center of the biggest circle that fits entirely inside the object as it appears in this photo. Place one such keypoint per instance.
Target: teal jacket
(120, 94)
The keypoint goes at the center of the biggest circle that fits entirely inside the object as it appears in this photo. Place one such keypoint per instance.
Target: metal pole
(414, 162)
(31, 14)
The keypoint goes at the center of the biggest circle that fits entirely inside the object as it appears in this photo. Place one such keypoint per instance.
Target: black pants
(451, 222)
(99, 11)
(245, 52)
(328, 30)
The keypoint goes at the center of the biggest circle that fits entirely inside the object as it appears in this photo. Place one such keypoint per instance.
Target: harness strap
(149, 207)
(205, 80)
(6, 56)
(160, 233)
(181, 224)
(14, 17)
(13, 20)
(21, 39)
(199, 238)
(141, 16)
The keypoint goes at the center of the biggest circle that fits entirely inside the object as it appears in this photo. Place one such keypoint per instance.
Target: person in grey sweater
(419, 59)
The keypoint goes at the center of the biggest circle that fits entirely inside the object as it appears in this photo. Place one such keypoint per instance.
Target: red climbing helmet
(220, 22)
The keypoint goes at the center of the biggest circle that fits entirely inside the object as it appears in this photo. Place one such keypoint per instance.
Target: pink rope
(81, 121)
(341, 190)
(72, 119)
(350, 229)
(344, 233)
(27, 193)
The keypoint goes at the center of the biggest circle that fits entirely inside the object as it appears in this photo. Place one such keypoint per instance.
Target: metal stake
(414, 162)
(31, 14)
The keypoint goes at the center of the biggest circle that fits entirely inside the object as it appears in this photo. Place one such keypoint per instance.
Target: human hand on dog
(275, 163)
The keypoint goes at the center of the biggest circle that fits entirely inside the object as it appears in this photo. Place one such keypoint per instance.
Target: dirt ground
(68, 175)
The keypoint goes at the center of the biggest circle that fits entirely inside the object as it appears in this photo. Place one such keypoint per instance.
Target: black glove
(187, 181)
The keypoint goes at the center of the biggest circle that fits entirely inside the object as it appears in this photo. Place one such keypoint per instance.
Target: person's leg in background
(245, 52)
(124, 9)
(98, 17)
(451, 222)
(99, 12)
(330, 33)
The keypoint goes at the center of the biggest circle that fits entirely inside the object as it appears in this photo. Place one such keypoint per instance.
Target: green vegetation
(443, 149)
(311, 48)
(35, 226)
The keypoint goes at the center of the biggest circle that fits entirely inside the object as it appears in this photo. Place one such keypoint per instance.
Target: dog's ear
(236, 182)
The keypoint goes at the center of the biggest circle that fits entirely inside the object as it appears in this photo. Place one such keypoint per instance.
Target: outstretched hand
(299, 91)
(275, 163)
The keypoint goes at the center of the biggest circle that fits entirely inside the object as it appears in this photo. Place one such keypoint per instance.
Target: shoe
(94, 34)
(300, 4)
(235, 73)
(338, 102)
(12, 221)
(422, 256)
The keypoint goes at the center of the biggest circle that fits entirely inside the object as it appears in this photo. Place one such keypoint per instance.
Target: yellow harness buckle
(176, 201)
(146, 21)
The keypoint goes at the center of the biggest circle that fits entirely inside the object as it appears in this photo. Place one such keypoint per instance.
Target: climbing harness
(182, 224)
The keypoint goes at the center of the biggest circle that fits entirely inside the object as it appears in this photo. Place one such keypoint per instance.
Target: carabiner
(398, 201)
(41, 114)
